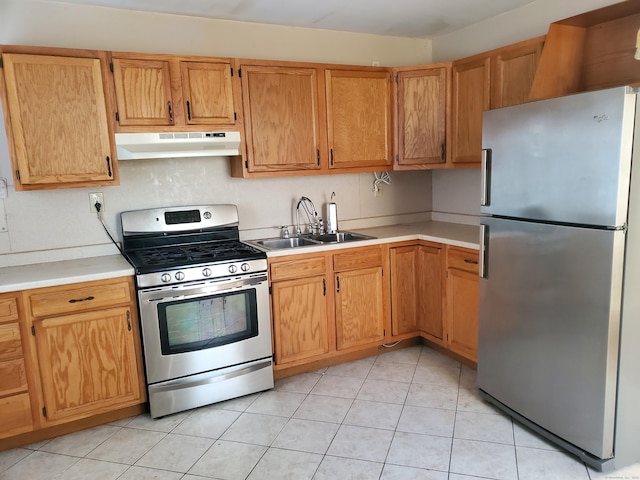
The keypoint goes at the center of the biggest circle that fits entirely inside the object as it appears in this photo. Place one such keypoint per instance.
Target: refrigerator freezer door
(562, 160)
(549, 324)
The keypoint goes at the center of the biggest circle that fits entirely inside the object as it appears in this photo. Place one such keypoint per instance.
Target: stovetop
(171, 257)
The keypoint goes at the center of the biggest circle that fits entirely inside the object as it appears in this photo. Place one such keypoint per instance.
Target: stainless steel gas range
(204, 306)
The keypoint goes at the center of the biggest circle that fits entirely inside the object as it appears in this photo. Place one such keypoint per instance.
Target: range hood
(134, 146)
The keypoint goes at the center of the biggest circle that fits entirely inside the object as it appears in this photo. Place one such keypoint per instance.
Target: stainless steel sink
(308, 240)
(340, 237)
(293, 242)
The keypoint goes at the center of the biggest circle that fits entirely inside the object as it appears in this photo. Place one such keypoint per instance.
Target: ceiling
(402, 18)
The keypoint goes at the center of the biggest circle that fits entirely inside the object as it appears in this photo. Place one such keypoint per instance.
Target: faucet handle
(284, 231)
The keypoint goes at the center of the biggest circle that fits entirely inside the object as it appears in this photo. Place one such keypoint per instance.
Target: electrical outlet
(93, 198)
(377, 191)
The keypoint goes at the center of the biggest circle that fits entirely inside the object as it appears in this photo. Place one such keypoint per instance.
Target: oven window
(205, 322)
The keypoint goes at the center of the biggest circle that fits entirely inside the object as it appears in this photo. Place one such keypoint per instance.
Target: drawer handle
(468, 260)
(76, 300)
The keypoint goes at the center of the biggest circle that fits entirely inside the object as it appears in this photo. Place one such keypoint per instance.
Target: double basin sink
(308, 240)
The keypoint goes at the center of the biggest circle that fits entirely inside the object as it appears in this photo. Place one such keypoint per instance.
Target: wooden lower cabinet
(326, 303)
(87, 363)
(416, 289)
(462, 302)
(300, 318)
(15, 400)
(359, 307)
(68, 353)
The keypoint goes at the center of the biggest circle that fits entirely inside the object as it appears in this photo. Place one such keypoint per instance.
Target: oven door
(202, 326)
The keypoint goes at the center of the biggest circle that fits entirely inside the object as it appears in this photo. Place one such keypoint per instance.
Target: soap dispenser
(332, 216)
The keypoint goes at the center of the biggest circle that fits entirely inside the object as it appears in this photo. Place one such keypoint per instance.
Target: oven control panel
(193, 274)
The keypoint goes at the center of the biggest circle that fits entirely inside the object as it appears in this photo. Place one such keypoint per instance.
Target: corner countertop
(455, 234)
(48, 274)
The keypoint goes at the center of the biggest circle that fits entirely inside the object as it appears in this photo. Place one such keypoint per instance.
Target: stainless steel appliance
(204, 306)
(559, 334)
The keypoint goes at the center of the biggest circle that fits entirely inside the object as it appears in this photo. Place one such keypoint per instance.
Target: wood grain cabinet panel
(173, 93)
(359, 121)
(15, 415)
(207, 93)
(143, 92)
(8, 310)
(10, 342)
(422, 116)
(13, 377)
(513, 71)
(300, 318)
(68, 299)
(282, 121)
(359, 307)
(87, 363)
(462, 302)
(56, 120)
(416, 289)
(471, 96)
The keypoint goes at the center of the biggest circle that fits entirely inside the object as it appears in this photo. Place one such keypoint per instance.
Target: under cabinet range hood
(136, 146)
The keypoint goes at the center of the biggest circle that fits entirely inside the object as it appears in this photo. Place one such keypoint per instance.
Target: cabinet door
(58, 116)
(462, 302)
(512, 73)
(87, 363)
(208, 93)
(358, 118)
(430, 289)
(300, 318)
(422, 105)
(143, 91)
(359, 307)
(470, 97)
(404, 289)
(281, 118)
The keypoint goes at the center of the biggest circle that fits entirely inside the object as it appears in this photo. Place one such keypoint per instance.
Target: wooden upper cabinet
(171, 92)
(359, 121)
(471, 96)
(143, 92)
(513, 71)
(282, 122)
(422, 100)
(56, 120)
(207, 92)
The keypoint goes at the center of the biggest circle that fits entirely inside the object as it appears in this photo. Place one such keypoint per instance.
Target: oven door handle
(209, 377)
(199, 290)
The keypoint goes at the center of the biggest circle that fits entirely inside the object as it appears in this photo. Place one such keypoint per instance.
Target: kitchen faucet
(310, 210)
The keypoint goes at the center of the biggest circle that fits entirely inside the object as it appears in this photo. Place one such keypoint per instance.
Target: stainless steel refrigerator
(559, 327)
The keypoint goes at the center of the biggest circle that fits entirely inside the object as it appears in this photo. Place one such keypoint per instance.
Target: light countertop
(456, 234)
(48, 274)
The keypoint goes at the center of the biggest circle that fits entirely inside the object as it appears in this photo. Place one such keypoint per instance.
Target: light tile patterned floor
(410, 414)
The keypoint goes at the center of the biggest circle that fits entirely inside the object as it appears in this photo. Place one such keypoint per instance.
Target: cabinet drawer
(15, 415)
(463, 259)
(357, 258)
(8, 310)
(13, 378)
(298, 268)
(59, 300)
(10, 345)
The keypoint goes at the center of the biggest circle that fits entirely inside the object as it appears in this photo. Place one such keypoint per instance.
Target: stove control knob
(165, 277)
(180, 276)
(245, 267)
(233, 269)
(206, 272)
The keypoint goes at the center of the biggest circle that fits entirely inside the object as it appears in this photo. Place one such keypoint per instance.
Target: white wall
(528, 21)
(457, 191)
(40, 221)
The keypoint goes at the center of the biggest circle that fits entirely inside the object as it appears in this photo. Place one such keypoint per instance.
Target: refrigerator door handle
(484, 240)
(485, 178)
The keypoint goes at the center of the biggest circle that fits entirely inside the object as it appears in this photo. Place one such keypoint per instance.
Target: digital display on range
(183, 216)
